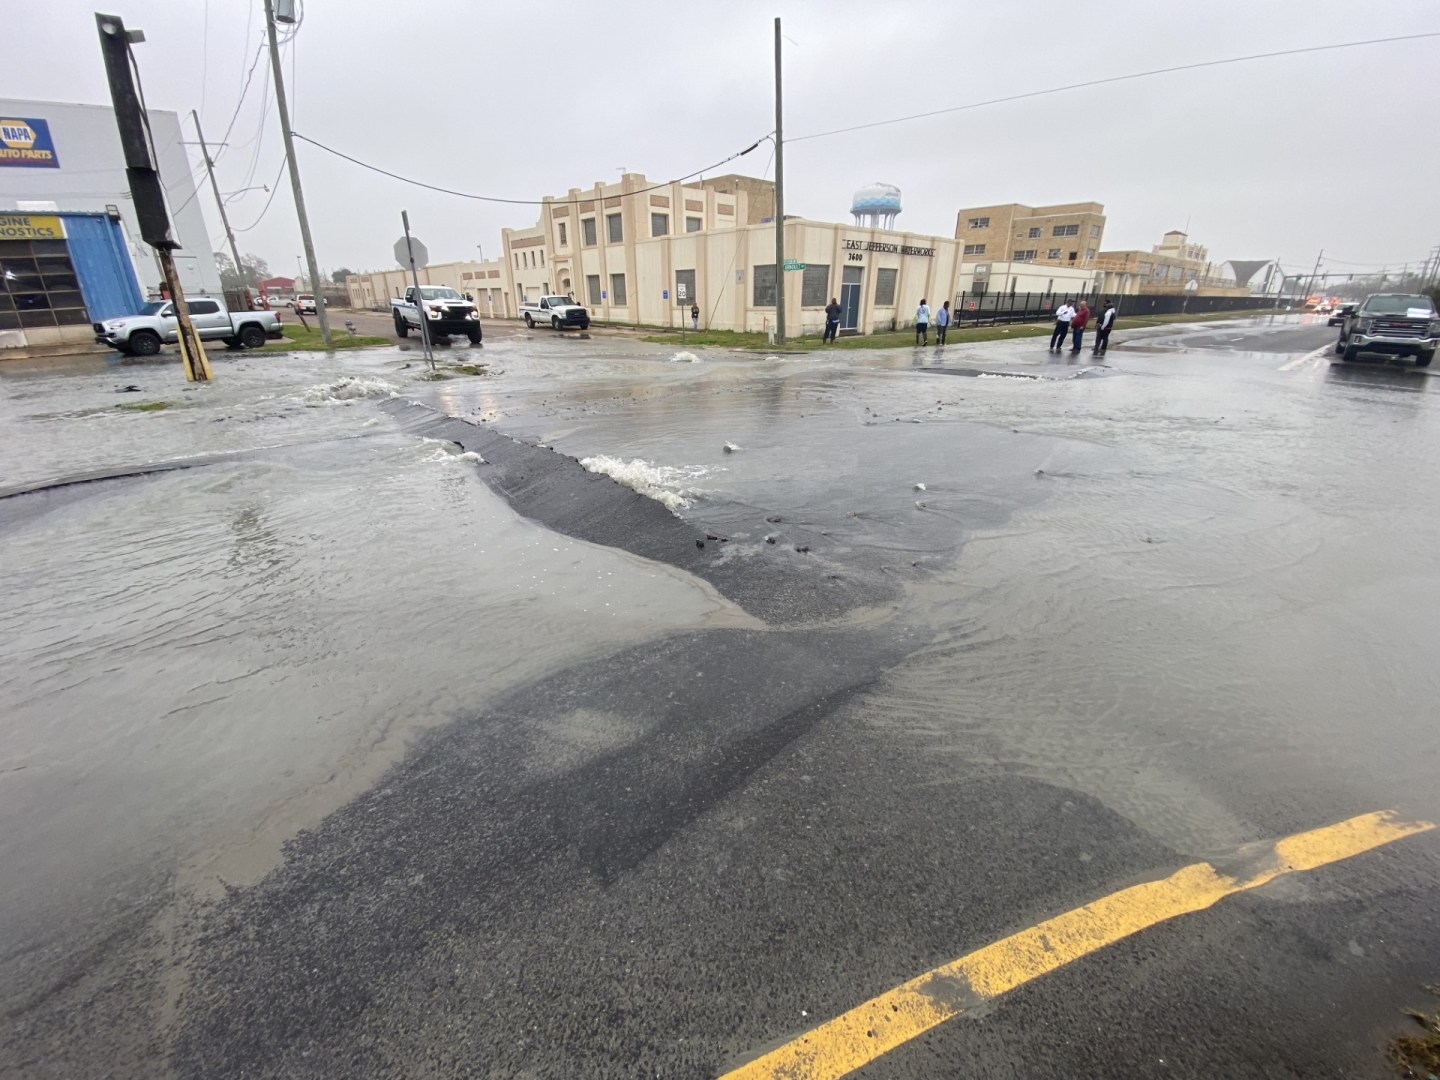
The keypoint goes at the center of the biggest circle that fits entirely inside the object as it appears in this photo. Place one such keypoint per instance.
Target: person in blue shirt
(942, 322)
(922, 323)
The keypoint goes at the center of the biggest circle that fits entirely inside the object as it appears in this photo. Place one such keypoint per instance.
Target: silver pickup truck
(155, 325)
(1397, 324)
(446, 312)
(556, 312)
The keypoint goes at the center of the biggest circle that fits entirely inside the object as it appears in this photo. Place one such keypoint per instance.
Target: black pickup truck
(1396, 324)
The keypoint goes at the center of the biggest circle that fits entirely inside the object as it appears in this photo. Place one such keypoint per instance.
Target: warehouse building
(70, 243)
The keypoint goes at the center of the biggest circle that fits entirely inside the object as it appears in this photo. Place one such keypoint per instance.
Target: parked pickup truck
(1398, 324)
(558, 312)
(143, 333)
(446, 312)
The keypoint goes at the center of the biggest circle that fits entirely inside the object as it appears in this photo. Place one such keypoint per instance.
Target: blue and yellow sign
(31, 227)
(27, 144)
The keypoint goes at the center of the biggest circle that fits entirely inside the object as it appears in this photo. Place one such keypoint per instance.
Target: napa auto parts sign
(26, 144)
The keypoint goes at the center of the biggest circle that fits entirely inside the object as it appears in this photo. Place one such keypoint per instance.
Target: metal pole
(284, 108)
(779, 199)
(1310, 288)
(415, 277)
(224, 218)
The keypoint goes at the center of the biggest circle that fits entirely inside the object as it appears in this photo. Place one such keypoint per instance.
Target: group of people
(1071, 322)
(922, 321)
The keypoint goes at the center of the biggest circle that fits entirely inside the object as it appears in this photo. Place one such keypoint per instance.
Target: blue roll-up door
(107, 277)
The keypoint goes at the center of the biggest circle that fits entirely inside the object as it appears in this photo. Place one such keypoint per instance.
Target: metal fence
(990, 308)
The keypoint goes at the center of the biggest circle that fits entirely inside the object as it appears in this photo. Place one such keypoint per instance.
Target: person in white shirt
(922, 322)
(1063, 315)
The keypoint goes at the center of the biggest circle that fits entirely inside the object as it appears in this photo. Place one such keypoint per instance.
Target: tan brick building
(1173, 264)
(1068, 234)
(759, 193)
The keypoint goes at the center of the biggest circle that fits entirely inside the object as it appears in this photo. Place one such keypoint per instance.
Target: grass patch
(734, 339)
(433, 376)
(471, 369)
(298, 338)
(1419, 1055)
(143, 406)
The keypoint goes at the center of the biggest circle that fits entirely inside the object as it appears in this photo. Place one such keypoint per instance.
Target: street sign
(681, 293)
(794, 264)
(664, 294)
(422, 253)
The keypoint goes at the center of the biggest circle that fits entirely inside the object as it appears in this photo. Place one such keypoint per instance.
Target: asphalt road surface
(620, 712)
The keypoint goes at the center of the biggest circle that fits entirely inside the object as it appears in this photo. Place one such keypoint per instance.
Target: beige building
(639, 253)
(1173, 264)
(759, 195)
(1068, 234)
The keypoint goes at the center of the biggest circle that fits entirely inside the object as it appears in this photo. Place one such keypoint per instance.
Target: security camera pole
(143, 173)
(311, 265)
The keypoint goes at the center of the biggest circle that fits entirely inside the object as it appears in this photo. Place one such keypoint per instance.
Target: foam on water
(684, 357)
(665, 484)
(346, 390)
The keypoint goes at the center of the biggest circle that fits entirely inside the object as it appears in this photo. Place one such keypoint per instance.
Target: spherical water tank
(876, 205)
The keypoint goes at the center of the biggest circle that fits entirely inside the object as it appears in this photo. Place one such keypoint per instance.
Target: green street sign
(794, 264)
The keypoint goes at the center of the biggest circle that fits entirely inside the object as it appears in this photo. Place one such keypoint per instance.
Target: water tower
(876, 205)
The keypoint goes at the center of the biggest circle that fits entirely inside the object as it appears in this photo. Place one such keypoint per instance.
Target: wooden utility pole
(779, 198)
(284, 109)
(220, 202)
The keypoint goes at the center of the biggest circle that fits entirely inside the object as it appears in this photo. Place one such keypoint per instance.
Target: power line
(1112, 79)
(520, 202)
(274, 187)
(245, 89)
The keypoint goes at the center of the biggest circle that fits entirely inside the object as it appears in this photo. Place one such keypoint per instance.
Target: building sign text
(26, 144)
(893, 249)
(31, 227)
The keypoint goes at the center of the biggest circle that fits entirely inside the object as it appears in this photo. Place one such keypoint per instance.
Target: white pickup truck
(556, 312)
(155, 324)
(446, 312)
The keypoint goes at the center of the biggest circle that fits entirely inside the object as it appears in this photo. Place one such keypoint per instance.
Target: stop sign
(402, 253)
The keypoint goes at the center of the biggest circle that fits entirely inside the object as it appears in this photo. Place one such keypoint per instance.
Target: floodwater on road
(1191, 585)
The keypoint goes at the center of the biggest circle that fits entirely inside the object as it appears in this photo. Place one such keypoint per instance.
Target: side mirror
(169, 314)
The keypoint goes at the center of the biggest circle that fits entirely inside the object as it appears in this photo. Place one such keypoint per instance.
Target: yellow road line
(878, 1026)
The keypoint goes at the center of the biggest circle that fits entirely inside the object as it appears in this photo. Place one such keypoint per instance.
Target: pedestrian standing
(1078, 324)
(942, 322)
(1063, 315)
(695, 316)
(922, 323)
(1103, 328)
(832, 320)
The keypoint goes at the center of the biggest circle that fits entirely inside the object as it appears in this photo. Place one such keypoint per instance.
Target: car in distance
(1340, 314)
(155, 324)
(445, 312)
(557, 312)
(1396, 324)
(305, 304)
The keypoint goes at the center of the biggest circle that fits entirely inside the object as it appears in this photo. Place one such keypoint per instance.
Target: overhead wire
(520, 202)
(1110, 79)
(274, 187)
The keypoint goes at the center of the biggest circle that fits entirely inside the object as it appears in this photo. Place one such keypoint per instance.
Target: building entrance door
(850, 299)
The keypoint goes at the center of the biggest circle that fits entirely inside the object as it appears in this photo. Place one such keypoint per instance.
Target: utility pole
(419, 300)
(220, 202)
(284, 108)
(1309, 289)
(779, 199)
(142, 172)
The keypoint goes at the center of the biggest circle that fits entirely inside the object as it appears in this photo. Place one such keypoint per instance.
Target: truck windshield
(439, 292)
(1399, 305)
(153, 307)
(557, 301)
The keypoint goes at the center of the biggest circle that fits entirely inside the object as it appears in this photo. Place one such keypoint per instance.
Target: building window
(763, 285)
(564, 236)
(1089, 253)
(885, 287)
(587, 231)
(684, 287)
(1065, 230)
(592, 289)
(617, 288)
(38, 286)
(1094, 232)
(974, 249)
(1053, 253)
(615, 228)
(659, 224)
(1074, 255)
(978, 223)
(1035, 232)
(1145, 268)
(541, 254)
(1028, 255)
(814, 285)
(693, 224)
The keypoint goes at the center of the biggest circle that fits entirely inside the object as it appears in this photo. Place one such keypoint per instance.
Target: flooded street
(627, 709)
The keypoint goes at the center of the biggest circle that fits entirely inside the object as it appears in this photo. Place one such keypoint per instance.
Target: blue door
(850, 280)
(107, 277)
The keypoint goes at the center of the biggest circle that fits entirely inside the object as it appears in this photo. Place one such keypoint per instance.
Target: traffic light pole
(311, 265)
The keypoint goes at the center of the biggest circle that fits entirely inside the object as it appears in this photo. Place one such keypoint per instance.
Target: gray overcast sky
(1269, 158)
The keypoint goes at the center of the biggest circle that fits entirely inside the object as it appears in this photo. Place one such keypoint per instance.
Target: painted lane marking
(859, 1036)
(1314, 355)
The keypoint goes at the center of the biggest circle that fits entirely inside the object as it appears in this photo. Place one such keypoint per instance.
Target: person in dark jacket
(695, 316)
(1103, 328)
(832, 319)
(1078, 324)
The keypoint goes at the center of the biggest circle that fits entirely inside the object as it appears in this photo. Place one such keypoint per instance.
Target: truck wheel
(529, 322)
(251, 336)
(402, 328)
(1351, 352)
(555, 323)
(1423, 359)
(144, 343)
(474, 335)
